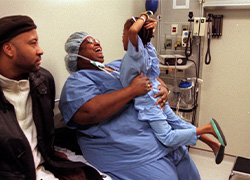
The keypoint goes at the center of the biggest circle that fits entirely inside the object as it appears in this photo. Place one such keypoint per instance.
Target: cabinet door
(232, 4)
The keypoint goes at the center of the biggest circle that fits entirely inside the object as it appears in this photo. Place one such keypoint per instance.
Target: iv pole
(159, 30)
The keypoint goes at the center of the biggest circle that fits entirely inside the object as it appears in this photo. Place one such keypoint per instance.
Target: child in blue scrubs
(141, 56)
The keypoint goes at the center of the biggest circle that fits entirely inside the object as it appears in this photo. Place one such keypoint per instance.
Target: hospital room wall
(57, 19)
(225, 92)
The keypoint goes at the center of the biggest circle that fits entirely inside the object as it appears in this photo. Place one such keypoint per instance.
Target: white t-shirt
(18, 94)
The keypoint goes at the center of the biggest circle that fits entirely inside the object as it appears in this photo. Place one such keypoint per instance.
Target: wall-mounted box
(227, 4)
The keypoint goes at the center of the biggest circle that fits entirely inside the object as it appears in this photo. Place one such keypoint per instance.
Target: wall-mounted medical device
(217, 22)
(173, 59)
(199, 26)
(184, 38)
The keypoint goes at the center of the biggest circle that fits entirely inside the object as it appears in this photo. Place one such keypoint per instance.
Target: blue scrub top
(133, 63)
(118, 143)
(144, 60)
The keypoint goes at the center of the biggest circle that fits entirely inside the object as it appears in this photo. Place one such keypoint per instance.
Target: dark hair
(144, 34)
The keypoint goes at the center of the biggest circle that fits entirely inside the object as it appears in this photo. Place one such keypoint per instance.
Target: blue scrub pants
(177, 165)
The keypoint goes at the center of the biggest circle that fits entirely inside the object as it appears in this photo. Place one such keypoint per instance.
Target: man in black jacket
(27, 94)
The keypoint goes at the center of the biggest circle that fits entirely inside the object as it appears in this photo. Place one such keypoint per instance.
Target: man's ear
(8, 49)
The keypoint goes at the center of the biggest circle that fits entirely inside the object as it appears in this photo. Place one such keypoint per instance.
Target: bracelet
(166, 88)
(148, 13)
(142, 18)
(133, 18)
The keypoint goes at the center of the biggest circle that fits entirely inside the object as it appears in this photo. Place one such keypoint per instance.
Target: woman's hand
(151, 23)
(141, 85)
(163, 94)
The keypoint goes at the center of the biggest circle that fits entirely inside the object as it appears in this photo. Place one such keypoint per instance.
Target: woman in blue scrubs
(109, 133)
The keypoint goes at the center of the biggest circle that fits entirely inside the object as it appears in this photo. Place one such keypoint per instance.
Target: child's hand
(163, 94)
(151, 23)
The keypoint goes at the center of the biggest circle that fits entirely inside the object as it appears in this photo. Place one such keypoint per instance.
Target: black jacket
(16, 160)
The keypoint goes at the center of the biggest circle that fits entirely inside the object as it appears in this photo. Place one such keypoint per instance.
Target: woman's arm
(103, 106)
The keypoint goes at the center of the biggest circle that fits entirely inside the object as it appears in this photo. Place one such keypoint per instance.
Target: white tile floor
(207, 167)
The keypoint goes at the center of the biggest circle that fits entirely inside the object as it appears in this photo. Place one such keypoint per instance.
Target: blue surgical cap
(72, 47)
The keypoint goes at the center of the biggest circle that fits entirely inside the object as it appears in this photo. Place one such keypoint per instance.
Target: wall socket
(174, 29)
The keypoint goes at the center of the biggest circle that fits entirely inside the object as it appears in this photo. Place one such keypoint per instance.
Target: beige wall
(57, 19)
(225, 93)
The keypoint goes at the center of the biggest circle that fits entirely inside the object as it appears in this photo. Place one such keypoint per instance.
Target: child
(170, 129)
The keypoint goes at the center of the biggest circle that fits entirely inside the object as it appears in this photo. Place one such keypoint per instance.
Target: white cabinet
(227, 4)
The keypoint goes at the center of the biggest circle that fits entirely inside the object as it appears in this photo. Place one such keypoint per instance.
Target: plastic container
(186, 100)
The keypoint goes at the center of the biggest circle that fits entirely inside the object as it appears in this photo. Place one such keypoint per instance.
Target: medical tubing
(197, 76)
(189, 44)
(194, 91)
(99, 65)
(107, 72)
(208, 55)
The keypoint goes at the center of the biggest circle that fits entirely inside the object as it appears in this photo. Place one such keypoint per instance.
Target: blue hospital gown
(121, 146)
(146, 61)
(170, 129)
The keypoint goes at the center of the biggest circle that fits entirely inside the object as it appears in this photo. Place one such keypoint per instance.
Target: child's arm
(162, 83)
(136, 27)
(163, 94)
(151, 24)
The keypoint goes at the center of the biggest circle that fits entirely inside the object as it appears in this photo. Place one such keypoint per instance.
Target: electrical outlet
(174, 29)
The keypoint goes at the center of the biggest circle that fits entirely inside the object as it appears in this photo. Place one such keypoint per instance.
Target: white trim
(175, 6)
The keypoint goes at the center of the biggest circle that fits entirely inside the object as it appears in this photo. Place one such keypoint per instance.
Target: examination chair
(66, 142)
